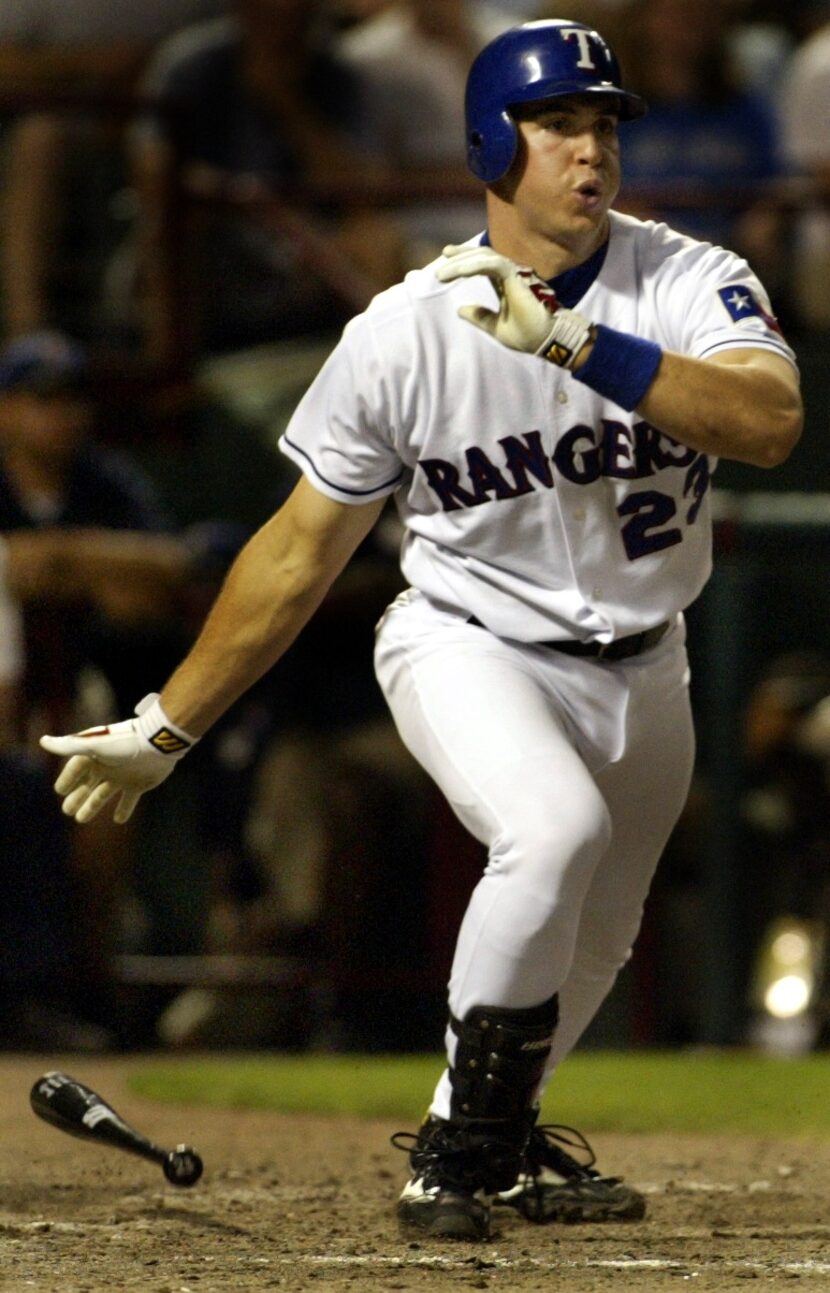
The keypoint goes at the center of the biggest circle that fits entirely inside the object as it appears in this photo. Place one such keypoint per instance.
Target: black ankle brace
(499, 1061)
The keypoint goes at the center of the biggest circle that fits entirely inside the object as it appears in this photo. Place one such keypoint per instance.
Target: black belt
(621, 649)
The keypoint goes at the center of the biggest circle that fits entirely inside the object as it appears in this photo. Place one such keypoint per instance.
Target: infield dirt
(298, 1202)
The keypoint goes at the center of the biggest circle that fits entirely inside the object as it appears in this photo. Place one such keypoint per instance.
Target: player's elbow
(781, 433)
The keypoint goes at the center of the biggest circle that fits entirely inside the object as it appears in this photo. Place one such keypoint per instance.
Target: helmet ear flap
(492, 146)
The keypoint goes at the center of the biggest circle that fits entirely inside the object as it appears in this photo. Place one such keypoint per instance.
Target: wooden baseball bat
(74, 1108)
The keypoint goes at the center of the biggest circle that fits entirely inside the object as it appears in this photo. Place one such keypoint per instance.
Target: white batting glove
(529, 316)
(124, 759)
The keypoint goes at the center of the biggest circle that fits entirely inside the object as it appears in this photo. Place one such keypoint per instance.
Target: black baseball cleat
(554, 1186)
(444, 1197)
(460, 1163)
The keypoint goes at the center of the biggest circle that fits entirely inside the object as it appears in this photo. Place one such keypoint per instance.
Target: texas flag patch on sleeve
(742, 303)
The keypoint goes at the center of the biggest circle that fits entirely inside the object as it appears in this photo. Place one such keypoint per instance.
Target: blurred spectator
(97, 587)
(81, 525)
(65, 207)
(410, 63)
(88, 577)
(261, 99)
(706, 143)
(806, 119)
(761, 38)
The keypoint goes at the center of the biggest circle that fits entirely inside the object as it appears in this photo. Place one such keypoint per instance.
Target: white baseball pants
(571, 772)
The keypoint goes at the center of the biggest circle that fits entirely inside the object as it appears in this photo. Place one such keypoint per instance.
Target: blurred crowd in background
(195, 196)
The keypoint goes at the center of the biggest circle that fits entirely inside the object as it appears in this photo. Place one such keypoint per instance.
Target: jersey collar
(571, 286)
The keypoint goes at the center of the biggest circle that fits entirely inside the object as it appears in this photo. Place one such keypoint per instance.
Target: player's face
(568, 171)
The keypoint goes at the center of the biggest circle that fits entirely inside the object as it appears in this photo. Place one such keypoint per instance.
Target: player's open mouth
(589, 194)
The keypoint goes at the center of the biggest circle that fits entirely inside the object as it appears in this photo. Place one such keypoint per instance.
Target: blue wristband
(620, 367)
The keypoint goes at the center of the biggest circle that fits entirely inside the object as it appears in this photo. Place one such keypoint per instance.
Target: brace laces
(457, 1159)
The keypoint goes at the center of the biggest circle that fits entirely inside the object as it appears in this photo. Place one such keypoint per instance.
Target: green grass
(707, 1091)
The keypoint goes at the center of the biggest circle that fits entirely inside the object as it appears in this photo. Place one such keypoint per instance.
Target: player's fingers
(75, 800)
(480, 316)
(77, 771)
(447, 273)
(95, 801)
(126, 805)
(477, 252)
(471, 261)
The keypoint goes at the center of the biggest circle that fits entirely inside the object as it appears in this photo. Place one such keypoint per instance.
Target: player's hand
(530, 316)
(123, 759)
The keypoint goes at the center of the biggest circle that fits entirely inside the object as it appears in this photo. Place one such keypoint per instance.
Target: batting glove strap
(162, 735)
(570, 332)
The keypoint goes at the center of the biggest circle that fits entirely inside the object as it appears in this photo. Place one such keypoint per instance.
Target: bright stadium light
(786, 979)
(788, 996)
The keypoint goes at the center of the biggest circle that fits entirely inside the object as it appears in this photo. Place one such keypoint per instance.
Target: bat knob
(183, 1166)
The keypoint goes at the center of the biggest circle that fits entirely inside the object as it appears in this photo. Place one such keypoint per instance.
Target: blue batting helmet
(539, 60)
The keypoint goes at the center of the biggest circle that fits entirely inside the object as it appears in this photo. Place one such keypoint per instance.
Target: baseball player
(546, 405)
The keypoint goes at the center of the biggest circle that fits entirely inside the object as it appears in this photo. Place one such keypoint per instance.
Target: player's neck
(548, 256)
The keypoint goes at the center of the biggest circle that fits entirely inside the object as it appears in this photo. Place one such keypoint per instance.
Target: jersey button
(562, 397)
(579, 514)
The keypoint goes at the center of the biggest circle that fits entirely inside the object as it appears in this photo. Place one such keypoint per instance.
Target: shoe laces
(451, 1158)
(438, 1159)
(549, 1146)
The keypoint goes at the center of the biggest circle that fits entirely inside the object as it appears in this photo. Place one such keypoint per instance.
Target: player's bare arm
(742, 404)
(272, 590)
(275, 585)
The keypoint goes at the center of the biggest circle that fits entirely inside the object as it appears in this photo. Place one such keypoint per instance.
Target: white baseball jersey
(527, 500)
